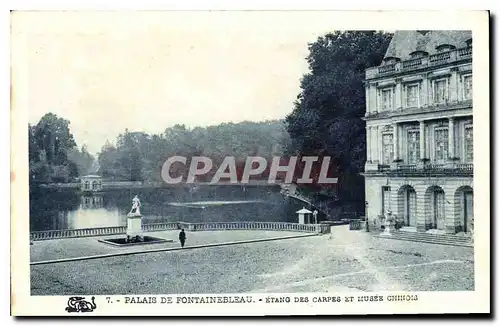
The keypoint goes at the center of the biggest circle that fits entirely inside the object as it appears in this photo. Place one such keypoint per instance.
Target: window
(444, 48)
(413, 147)
(412, 94)
(467, 84)
(387, 148)
(387, 99)
(440, 91)
(390, 60)
(469, 144)
(441, 144)
(418, 54)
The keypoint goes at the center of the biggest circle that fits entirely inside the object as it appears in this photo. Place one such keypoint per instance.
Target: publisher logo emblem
(79, 304)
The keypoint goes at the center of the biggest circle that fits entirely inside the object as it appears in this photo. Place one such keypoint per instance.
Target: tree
(108, 162)
(52, 134)
(82, 159)
(327, 115)
(131, 147)
(50, 141)
(40, 170)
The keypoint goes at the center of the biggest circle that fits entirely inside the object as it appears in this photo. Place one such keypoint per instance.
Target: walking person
(182, 238)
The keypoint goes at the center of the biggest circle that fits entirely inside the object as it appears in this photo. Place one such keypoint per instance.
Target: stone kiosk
(304, 216)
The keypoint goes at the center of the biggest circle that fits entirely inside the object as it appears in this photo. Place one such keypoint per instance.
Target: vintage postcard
(249, 163)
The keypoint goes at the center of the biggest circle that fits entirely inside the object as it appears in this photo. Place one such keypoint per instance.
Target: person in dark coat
(182, 238)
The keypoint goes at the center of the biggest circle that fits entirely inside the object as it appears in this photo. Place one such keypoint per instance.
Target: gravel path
(79, 247)
(343, 261)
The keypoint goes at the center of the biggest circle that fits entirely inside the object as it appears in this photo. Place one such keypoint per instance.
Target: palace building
(419, 131)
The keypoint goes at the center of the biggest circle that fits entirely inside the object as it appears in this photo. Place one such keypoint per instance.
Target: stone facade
(420, 132)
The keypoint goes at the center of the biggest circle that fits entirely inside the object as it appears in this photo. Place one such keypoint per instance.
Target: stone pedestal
(134, 225)
(387, 228)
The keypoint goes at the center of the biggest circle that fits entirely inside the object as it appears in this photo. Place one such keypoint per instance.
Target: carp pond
(58, 209)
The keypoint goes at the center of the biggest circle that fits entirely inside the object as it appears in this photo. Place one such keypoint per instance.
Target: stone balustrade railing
(209, 226)
(357, 224)
(419, 63)
(77, 233)
(276, 226)
(161, 226)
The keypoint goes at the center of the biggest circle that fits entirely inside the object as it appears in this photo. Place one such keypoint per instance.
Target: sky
(146, 71)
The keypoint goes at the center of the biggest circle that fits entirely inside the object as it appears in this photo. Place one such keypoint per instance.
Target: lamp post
(366, 217)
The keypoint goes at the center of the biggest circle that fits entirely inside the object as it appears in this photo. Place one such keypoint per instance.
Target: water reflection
(69, 209)
(91, 218)
(91, 213)
(91, 202)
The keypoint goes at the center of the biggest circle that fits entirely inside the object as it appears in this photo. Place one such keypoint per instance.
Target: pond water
(57, 209)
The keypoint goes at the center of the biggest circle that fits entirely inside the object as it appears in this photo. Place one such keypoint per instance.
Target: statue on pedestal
(136, 203)
(388, 223)
(134, 222)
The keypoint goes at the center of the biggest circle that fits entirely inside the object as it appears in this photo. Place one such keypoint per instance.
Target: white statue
(136, 203)
(388, 223)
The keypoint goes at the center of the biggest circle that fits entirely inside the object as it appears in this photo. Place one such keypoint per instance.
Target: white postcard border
(428, 302)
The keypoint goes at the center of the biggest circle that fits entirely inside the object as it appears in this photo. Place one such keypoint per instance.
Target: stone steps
(442, 239)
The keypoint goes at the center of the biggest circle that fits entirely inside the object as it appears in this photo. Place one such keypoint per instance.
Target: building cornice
(423, 113)
(411, 79)
(421, 175)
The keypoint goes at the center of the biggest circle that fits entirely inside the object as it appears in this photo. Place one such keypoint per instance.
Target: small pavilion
(91, 183)
(304, 216)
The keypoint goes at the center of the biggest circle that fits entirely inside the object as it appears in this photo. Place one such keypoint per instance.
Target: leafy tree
(52, 134)
(130, 147)
(40, 170)
(50, 142)
(82, 159)
(327, 118)
(108, 162)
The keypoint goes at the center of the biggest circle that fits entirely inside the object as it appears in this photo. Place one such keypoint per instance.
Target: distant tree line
(138, 156)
